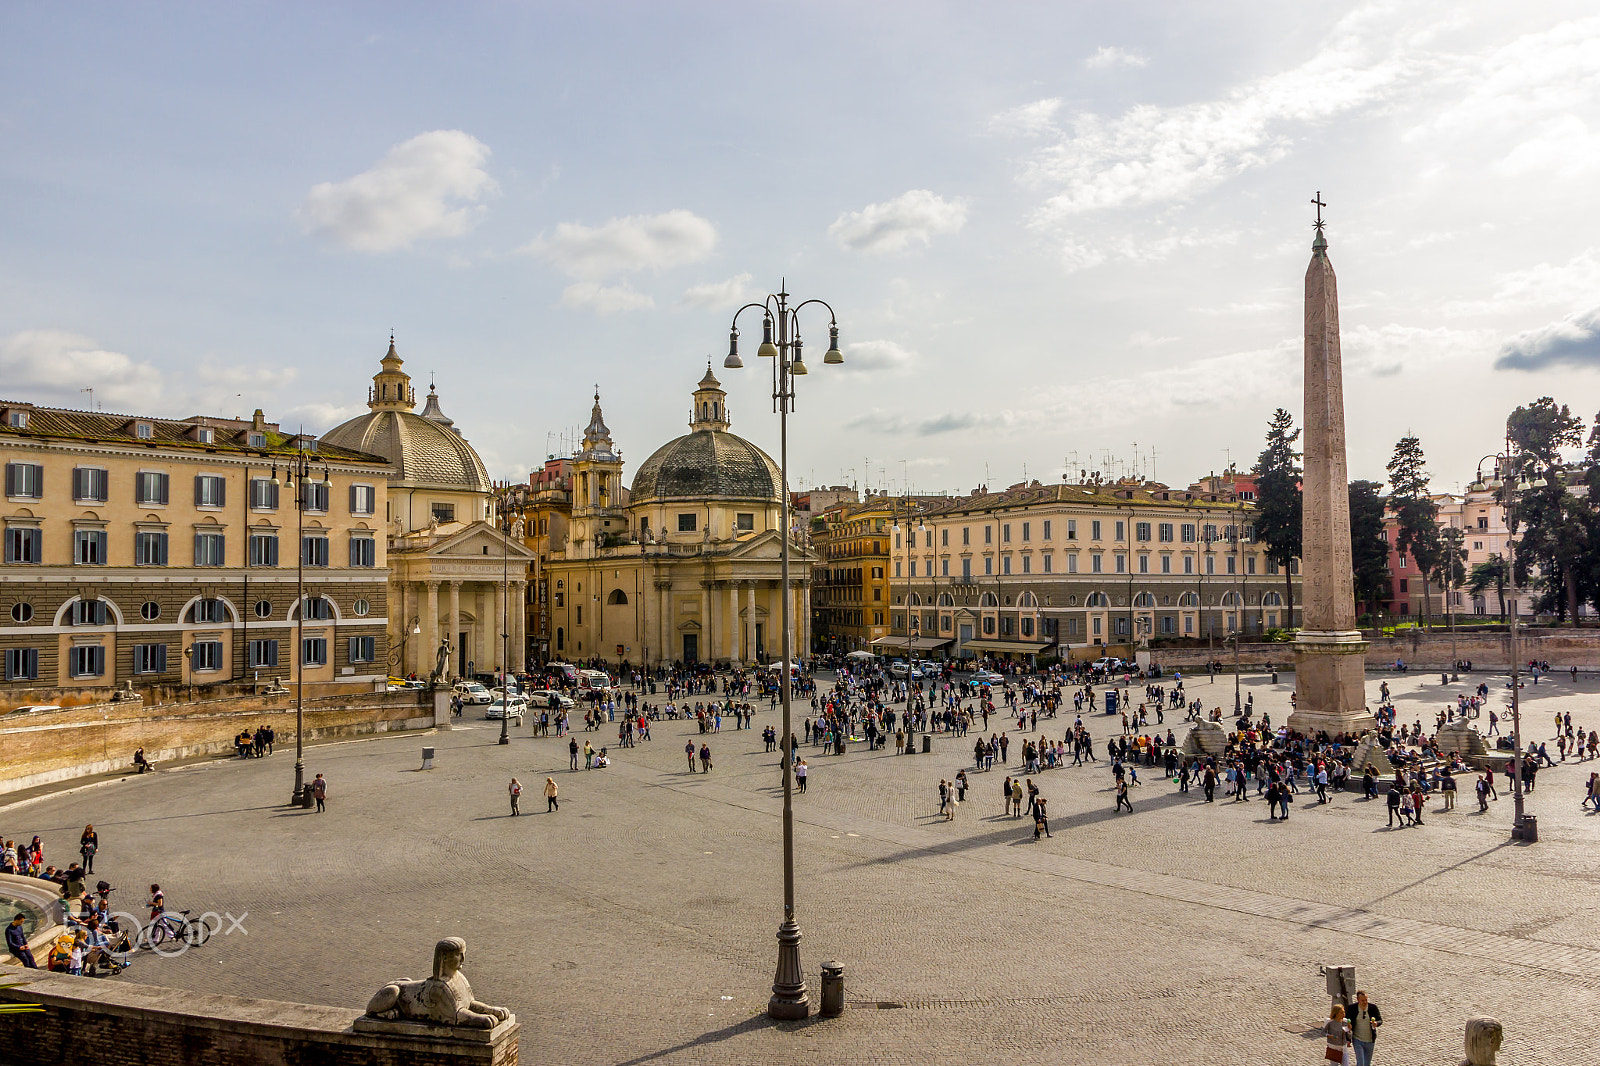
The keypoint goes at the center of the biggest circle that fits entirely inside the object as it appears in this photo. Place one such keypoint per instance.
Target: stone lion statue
(443, 999)
(1483, 1041)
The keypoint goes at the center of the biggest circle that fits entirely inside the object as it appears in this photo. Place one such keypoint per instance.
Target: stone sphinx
(443, 999)
(1483, 1041)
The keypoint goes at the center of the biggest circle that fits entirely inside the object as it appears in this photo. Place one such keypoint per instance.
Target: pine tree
(1369, 552)
(1416, 512)
(1555, 523)
(1279, 504)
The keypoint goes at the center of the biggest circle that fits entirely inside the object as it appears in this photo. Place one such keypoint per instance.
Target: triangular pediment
(469, 543)
(769, 545)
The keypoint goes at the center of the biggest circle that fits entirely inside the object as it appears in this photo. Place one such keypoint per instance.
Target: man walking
(319, 792)
(572, 749)
(1122, 798)
(1364, 1022)
(515, 788)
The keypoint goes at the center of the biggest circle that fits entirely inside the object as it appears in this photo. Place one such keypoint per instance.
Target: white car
(1110, 665)
(497, 709)
(989, 677)
(472, 693)
(540, 699)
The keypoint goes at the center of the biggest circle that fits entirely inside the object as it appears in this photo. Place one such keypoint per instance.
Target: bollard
(1528, 832)
(427, 758)
(927, 743)
(1274, 677)
(832, 989)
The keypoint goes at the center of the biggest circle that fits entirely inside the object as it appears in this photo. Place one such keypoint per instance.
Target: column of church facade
(453, 623)
(430, 629)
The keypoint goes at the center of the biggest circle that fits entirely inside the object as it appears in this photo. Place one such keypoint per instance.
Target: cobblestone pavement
(636, 924)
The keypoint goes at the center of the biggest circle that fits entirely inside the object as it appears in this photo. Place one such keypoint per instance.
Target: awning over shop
(1020, 647)
(915, 644)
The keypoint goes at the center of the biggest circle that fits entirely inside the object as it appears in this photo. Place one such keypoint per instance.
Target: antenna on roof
(90, 391)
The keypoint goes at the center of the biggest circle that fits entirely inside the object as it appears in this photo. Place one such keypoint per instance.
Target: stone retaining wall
(42, 747)
(126, 1024)
(1562, 648)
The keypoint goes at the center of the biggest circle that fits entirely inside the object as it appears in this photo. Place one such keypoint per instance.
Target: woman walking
(551, 804)
(515, 789)
(88, 844)
(1337, 1030)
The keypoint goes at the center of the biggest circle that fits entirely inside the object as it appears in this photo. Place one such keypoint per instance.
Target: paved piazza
(636, 925)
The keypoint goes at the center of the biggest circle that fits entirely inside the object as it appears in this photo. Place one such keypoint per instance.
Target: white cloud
(605, 299)
(1573, 341)
(1078, 255)
(424, 188)
(319, 417)
(892, 226)
(867, 356)
(624, 245)
(1570, 284)
(51, 366)
(1107, 56)
(1028, 119)
(730, 294)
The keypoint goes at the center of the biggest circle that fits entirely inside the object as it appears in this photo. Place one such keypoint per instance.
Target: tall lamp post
(503, 509)
(300, 474)
(911, 642)
(1508, 471)
(780, 342)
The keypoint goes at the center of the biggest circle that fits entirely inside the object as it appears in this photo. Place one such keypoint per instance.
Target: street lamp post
(502, 501)
(301, 476)
(907, 534)
(780, 342)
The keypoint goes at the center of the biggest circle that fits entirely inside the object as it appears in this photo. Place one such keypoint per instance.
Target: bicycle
(185, 931)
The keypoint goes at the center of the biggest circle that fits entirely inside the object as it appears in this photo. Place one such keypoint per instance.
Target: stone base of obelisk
(1331, 684)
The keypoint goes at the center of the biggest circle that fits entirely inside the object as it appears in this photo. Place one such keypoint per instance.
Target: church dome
(425, 449)
(708, 462)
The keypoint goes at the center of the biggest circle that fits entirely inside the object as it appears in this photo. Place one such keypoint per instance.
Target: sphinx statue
(443, 999)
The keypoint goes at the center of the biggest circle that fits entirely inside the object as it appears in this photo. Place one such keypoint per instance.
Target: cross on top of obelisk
(1320, 205)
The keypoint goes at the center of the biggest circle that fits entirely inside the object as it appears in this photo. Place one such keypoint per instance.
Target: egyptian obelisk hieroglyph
(1330, 653)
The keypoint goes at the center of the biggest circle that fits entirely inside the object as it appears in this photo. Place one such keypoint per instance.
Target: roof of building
(229, 435)
(709, 462)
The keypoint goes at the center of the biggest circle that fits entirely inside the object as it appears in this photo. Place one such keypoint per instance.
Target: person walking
(1337, 1032)
(705, 758)
(1016, 798)
(1041, 822)
(688, 750)
(800, 773)
(1394, 804)
(1365, 1019)
(1122, 798)
(550, 790)
(319, 792)
(88, 844)
(17, 943)
(515, 789)
(572, 750)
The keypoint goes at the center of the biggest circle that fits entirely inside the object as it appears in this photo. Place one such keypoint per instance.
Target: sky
(1057, 237)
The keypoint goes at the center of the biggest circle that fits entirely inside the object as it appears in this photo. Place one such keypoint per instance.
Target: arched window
(1097, 599)
(1144, 599)
(617, 596)
(946, 600)
(988, 600)
(1232, 599)
(916, 600)
(1271, 599)
(1027, 600)
(1188, 599)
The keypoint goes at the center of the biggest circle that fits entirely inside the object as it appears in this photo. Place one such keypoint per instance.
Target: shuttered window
(22, 664)
(363, 551)
(363, 499)
(150, 549)
(263, 494)
(90, 484)
(24, 544)
(25, 481)
(262, 653)
(314, 651)
(210, 491)
(363, 649)
(315, 493)
(263, 549)
(150, 488)
(209, 549)
(89, 547)
(210, 610)
(86, 660)
(88, 613)
(314, 551)
(205, 655)
(318, 608)
(149, 658)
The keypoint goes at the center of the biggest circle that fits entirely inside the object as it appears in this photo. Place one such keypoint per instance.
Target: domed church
(448, 562)
(685, 565)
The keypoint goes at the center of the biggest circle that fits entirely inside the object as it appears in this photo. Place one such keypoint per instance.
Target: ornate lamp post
(300, 474)
(1513, 465)
(780, 342)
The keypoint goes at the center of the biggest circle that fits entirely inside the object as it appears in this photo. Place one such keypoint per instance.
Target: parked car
(1110, 664)
(540, 698)
(497, 709)
(472, 693)
(987, 677)
(898, 669)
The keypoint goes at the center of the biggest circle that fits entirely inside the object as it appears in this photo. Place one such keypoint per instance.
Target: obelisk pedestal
(1330, 653)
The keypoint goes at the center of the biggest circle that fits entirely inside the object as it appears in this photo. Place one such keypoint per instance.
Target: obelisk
(1330, 653)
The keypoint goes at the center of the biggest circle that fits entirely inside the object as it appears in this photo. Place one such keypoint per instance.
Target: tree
(1451, 571)
(1416, 512)
(1278, 500)
(1492, 571)
(1555, 523)
(1369, 552)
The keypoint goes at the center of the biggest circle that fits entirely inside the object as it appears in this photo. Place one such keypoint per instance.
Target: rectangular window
(1072, 529)
(443, 512)
(363, 551)
(90, 484)
(89, 547)
(1211, 564)
(210, 491)
(897, 568)
(1141, 531)
(150, 488)
(1164, 532)
(25, 481)
(22, 664)
(1144, 564)
(1166, 564)
(1026, 531)
(1210, 534)
(205, 435)
(1272, 565)
(1402, 562)
(1072, 627)
(1403, 584)
(210, 610)
(143, 430)
(1005, 565)
(745, 521)
(966, 536)
(209, 549)
(24, 544)
(1188, 564)
(363, 499)
(988, 534)
(1097, 625)
(1169, 625)
(150, 549)
(314, 651)
(1249, 564)
(86, 660)
(256, 440)
(1096, 562)
(1049, 564)
(17, 419)
(1233, 565)
(966, 570)
(1094, 529)
(316, 495)
(988, 566)
(363, 649)
(1120, 529)
(944, 567)
(1247, 533)
(1027, 564)
(1188, 532)
(1047, 529)
(1122, 563)
(263, 494)
(88, 613)
(1122, 627)
(1072, 562)
(314, 551)
(205, 656)
(1188, 625)
(263, 549)
(261, 653)
(688, 523)
(944, 537)
(1005, 532)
